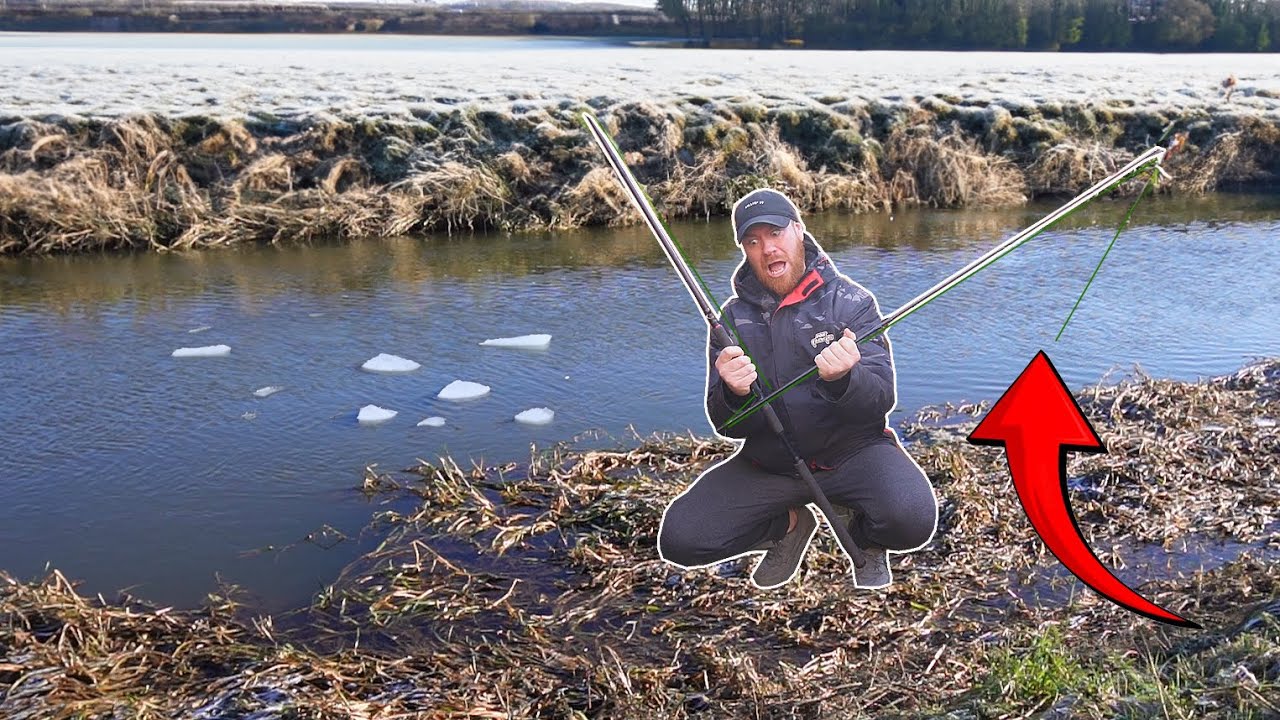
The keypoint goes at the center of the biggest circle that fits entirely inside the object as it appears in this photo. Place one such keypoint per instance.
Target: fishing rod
(718, 332)
(1153, 155)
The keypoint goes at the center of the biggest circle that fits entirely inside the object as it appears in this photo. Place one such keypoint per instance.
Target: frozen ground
(236, 75)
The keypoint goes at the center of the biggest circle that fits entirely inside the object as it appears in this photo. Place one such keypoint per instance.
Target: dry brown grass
(302, 216)
(514, 167)
(342, 173)
(1248, 154)
(717, 178)
(88, 202)
(270, 174)
(697, 188)
(596, 199)
(1069, 168)
(648, 127)
(458, 195)
(950, 171)
(152, 182)
(231, 142)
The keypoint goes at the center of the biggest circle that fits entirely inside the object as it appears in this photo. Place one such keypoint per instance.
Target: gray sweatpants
(735, 505)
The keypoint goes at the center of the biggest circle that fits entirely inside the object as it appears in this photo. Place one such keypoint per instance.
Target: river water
(124, 466)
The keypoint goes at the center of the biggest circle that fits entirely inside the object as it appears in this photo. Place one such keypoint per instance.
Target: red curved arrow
(1037, 422)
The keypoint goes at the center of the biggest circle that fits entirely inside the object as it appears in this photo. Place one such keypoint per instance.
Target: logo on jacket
(822, 337)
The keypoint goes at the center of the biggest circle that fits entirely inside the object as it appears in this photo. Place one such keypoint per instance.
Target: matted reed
(534, 589)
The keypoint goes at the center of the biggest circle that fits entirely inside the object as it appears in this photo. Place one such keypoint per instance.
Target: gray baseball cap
(762, 206)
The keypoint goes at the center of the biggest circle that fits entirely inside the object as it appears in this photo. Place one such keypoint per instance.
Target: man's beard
(784, 284)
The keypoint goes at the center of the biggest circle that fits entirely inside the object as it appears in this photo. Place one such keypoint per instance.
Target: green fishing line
(1155, 173)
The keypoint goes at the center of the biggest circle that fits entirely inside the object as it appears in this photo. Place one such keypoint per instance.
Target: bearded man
(791, 311)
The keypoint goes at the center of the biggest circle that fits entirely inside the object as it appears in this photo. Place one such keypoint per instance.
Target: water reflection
(66, 285)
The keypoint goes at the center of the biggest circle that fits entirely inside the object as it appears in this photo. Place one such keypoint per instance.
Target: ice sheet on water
(373, 415)
(200, 329)
(536, 416)
(522, 342)
(267, 391)
(206, 351)
(435, 421)
(384, 363)
(463, 390)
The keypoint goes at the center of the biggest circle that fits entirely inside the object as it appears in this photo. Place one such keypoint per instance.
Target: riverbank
(156, 182)
(244, 138)
(535, 589)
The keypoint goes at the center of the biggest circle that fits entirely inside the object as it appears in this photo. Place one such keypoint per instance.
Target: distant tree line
(1142, 25)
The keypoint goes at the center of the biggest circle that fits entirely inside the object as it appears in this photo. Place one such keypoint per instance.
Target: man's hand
(736, 370)
(838, 358)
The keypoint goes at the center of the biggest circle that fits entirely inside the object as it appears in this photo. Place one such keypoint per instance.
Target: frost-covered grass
(238, 76)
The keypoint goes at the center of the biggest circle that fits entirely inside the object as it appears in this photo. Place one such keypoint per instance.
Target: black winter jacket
(827, 420)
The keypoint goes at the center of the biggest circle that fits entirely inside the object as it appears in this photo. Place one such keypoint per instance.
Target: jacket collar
(817, 273)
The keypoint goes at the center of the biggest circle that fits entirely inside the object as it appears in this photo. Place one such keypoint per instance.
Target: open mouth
(776, 269)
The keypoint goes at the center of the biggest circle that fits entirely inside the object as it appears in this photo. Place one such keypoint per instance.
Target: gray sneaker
(782, 561)
(875, 573)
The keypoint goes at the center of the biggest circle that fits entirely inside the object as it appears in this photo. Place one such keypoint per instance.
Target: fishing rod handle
(721, 337)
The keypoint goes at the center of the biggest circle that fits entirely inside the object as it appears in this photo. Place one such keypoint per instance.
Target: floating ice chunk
(463, 390)
(373, 415)
(523, 342)
(436, 421)
(267, 391)
(536, 416)
(206, 351)
(1264, 422)
(202, 328)
(389, 364)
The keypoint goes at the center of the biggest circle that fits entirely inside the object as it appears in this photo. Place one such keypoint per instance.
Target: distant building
(1143, 10)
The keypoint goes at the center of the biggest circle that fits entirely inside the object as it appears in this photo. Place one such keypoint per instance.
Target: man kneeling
(793, 310)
